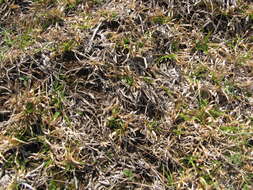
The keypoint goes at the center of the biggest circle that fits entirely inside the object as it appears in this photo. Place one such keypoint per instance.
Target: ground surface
(126, 94)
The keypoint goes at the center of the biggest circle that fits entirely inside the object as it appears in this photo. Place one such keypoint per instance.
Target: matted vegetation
(133, 94)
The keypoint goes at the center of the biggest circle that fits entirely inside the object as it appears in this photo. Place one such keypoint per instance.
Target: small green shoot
(171, 57)
(153, 125)
(174, 46)
(25, 40)
(178, 131)
(140, 44)
(7, 39)
(128, 80)
(207, 179)
(215, 113)
(115, 123)
(68, 45)
(201, 72)
(189, 161)
(183, 117)
(236, 159)
(25, 80)
(230, 129)
(30, 108)
(128, 173)
(56, 115)
(202, 45)
(53, 185)
(160, 19)
(148, 80)
(126, 41)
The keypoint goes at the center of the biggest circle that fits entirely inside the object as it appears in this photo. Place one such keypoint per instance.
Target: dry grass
(134, 94)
